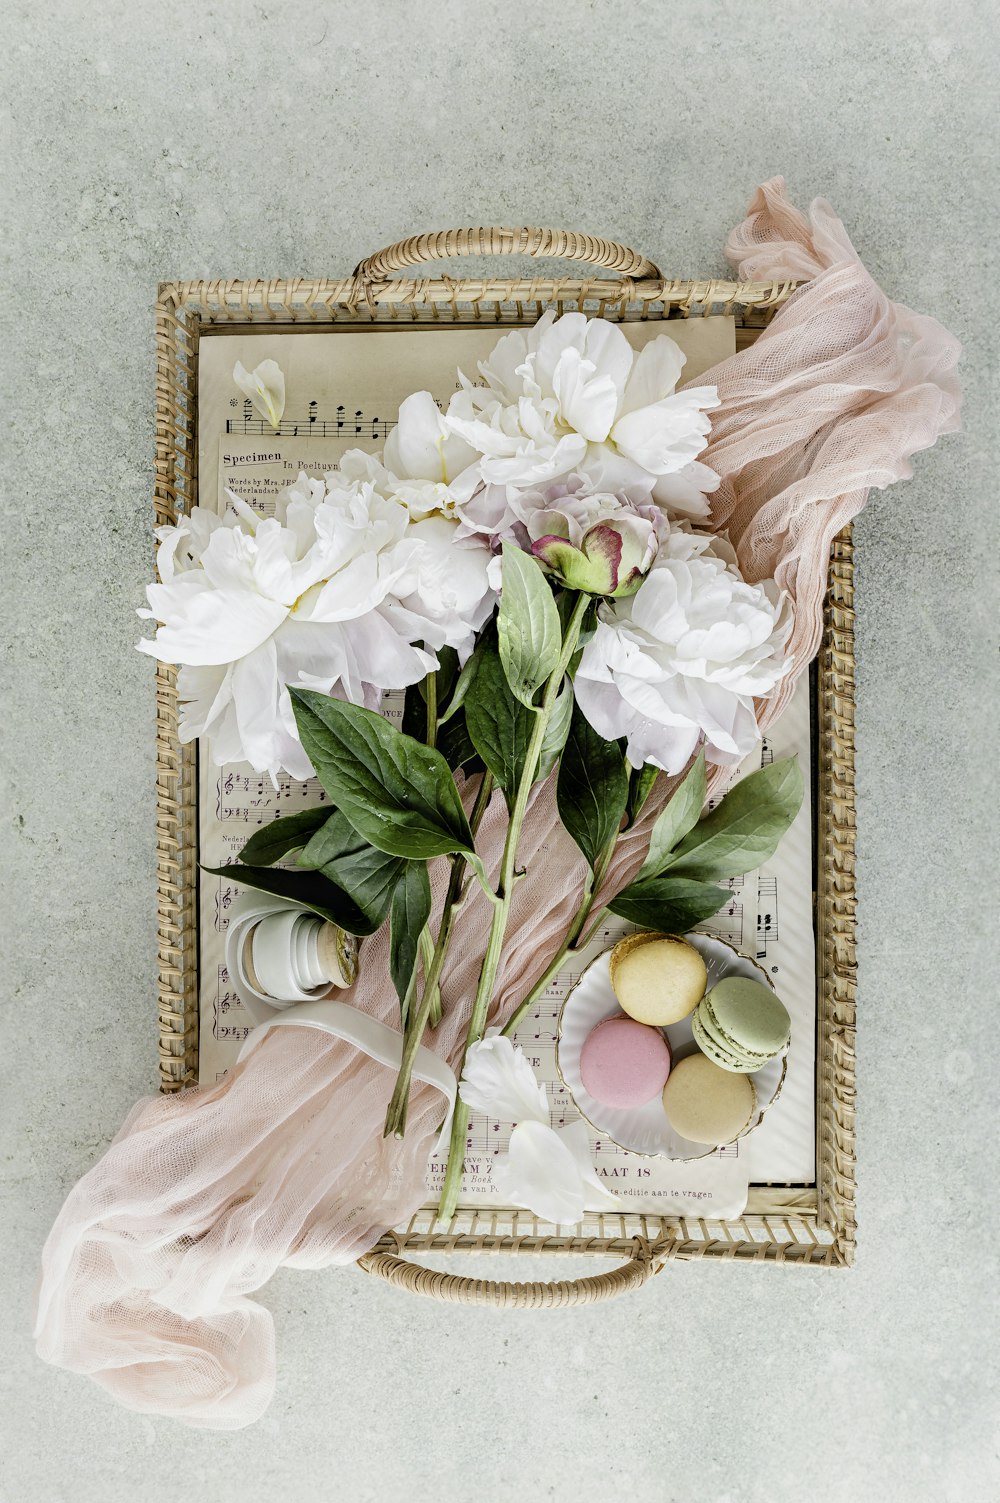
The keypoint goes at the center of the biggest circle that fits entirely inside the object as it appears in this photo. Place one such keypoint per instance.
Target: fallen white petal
(498, 1080)
(265, 386)
(540, 1173)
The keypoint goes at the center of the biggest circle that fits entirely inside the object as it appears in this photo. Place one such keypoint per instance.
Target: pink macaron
(624, 1063)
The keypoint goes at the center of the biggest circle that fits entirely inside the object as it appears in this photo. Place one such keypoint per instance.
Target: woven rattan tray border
(781, 1224)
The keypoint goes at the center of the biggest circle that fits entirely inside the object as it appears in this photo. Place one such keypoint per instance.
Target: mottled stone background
(182, 139)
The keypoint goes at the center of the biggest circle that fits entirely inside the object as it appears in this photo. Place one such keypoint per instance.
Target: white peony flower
(423, 464)
(545, 1170)
(682, 659)
(332, 594)
(448, 591)
(265, 387)
(570, 394)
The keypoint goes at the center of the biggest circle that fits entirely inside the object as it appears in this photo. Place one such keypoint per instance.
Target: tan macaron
(657, 979)
(707, 1104)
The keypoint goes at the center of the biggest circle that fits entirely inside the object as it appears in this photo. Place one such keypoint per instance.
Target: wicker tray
(782, 1224)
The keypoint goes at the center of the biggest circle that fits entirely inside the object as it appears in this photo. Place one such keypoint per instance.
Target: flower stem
(431, 692)
(502, 900)
(395, 1117)
(427, 956)
(570, 943)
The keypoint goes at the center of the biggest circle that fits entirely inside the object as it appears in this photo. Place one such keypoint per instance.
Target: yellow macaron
(657, 978)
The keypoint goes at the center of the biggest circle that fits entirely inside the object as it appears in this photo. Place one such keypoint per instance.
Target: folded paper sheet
(148, 1272)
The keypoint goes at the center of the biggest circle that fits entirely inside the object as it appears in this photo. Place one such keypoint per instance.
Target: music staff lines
(345, 424)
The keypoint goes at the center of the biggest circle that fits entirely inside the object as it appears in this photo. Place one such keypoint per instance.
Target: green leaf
(411, 908)
(310, 890)
(670, 905)
(414, 722)
(556, 732)
(456, 746)
(446, 674)
(500, 725)
(744, 829)
(640, 786)
(282, 836)
(453, 739)
(528, 631)
(680, 816)
(333, 837)
(396, 792)
(366, 874)
(592, 790)
(460, 689)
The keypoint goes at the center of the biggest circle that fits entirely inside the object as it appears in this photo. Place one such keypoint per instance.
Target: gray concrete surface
(199, 140)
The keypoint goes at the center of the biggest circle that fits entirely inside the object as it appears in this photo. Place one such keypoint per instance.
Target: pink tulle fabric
(148, 1273)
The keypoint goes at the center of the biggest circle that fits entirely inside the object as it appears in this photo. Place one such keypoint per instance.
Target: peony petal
(604, 468)
(654, 375)
(228, 561)
(205, 694)
(181, 546)
(376, 654)
(422, 447)
(534, 466)
(587, 401)
(540, 1173)
(265, 387)
(667, 435)
(256, 692)
(685, 492)
(668, 747)
(598, 341)
(207, 626)
(498, 1080)
(351, 592)
(596, 1196)
(500, 368)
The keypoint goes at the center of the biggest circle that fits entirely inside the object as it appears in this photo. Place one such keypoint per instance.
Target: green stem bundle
(501, 899)
(395, 1119)
(572, 943)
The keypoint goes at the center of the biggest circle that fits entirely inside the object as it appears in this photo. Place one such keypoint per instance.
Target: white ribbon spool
(283, 957)
(272, 955)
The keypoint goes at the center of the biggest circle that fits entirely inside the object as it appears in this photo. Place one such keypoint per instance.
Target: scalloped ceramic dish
(645, 1129)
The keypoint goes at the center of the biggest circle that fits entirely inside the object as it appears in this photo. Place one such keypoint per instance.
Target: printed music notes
(248, 798)
(344, 423)
(229, 1021)
(767, 915)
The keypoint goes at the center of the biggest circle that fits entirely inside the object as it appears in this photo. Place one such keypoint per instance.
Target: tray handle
(453, 1289)
(494, 240)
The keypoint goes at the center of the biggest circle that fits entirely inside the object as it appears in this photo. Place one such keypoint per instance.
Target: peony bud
(611, 559)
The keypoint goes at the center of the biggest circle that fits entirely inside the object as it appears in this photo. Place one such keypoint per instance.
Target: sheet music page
(344, 389)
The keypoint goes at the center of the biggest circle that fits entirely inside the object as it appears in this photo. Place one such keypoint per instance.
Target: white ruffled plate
(645, 1129)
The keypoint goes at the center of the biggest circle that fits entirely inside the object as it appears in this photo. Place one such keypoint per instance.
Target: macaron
(658, 979)
(623, 1063)
(706, 1104)
(740, 1024)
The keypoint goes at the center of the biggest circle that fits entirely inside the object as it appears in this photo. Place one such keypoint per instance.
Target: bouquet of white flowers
(527, 566)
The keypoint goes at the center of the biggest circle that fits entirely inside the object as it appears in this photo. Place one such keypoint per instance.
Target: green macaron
(740, 1024)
